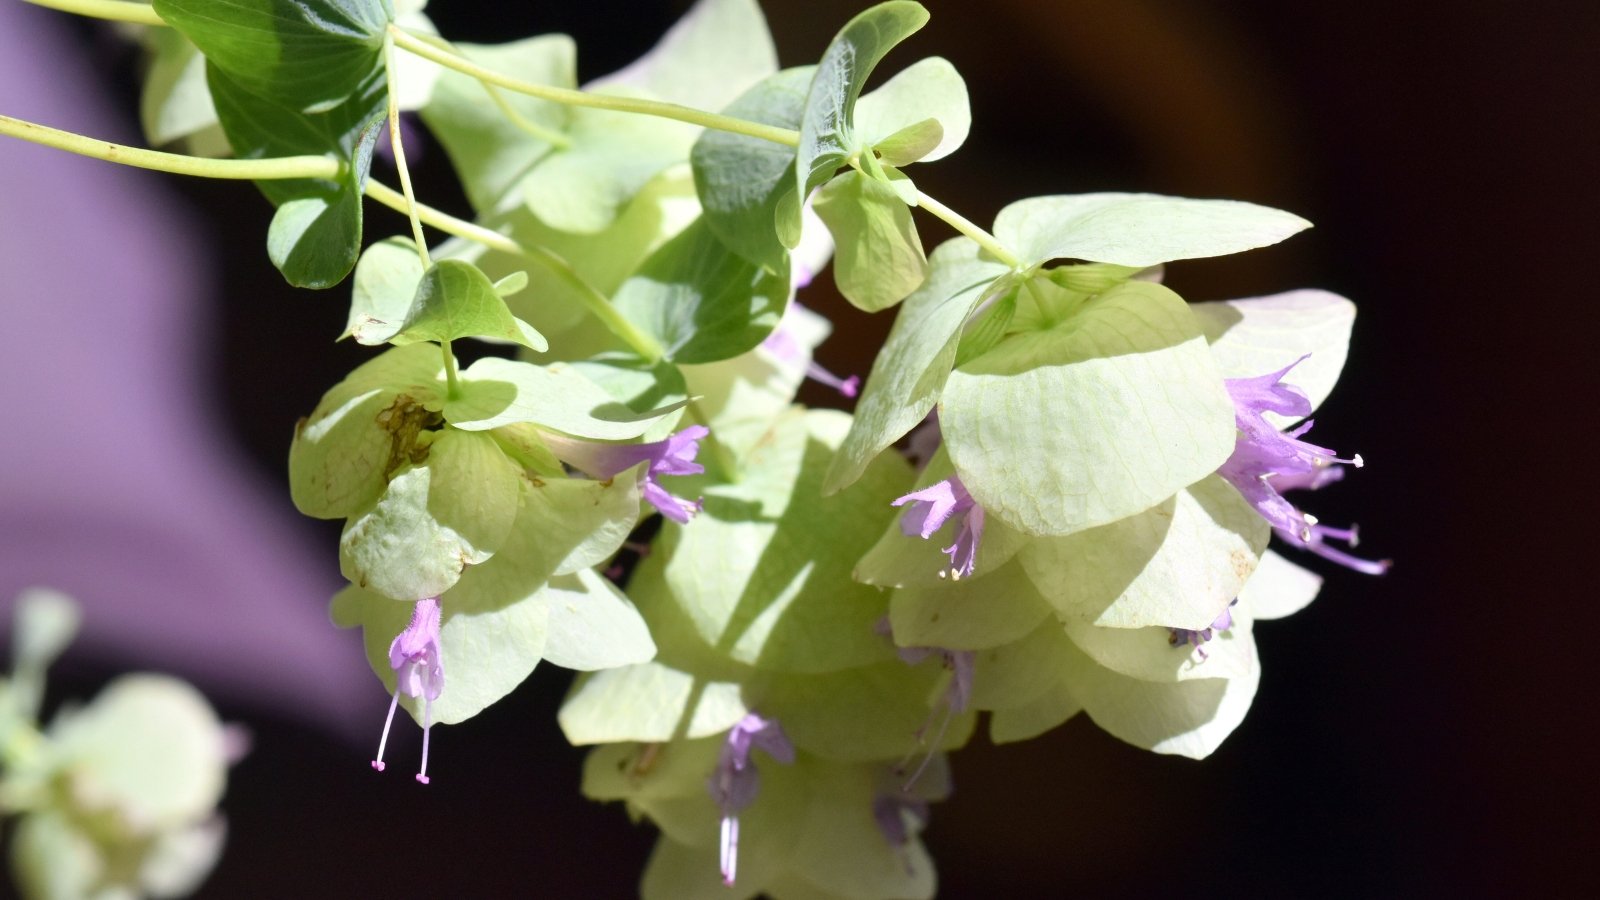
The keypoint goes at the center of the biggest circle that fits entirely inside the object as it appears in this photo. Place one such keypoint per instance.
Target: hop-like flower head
(1266, 462)
(419, 672)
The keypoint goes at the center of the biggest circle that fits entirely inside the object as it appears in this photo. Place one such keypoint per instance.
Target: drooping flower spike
(673, 456)
(419, 672)
(1266, 462)
(936, 504)
(735, 782)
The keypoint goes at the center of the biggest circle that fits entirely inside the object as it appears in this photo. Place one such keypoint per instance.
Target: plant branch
(414, 44)
(176, 163)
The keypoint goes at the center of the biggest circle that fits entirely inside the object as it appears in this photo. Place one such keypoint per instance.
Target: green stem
(176, 163)
(422, 48)
(400, 158)
(114, 10)
(960, 223)
(594, 301)
(451, 386)
(532, 129)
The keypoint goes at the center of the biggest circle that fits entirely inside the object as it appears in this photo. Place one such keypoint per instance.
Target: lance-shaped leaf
(702, 301)
(304, 54)
(496, 392)
(1258, 335)
(910, 371)
(1176, 565)
(434, 520)
(894, 118)
(316, 235)
(1101, 417)
(1138, 229)
(827, 138)
(878, 258)
(452, 300)
(743, 181)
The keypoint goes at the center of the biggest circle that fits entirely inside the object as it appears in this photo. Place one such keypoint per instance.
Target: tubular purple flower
(783, 344)
(1188, 637)
(673, 456)
(419, 672)
(1266, 462)
(936, 504)
(735, 782)
(956, 694)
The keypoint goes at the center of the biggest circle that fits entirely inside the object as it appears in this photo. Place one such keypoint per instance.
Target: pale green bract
(1138, 229)
(879, 258)
(909, 373)
(1258, 335)
(1101, 417)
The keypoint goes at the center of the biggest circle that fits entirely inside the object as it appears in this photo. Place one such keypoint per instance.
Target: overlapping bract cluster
(117, 797)
(1101, 470)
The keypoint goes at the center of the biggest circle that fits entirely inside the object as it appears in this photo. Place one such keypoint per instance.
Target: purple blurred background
(1421, 733)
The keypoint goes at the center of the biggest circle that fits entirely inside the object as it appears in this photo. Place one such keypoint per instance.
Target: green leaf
(764, 572)
(592, 625)
(706, 59)
(315, 238)
(910, 371)
(455, 300)
(148, 751)
(827, 138)
(365, 429)
(1264, 334)
(700, 300)
(970, 614)
(1176, 565)
(583, 187)
(894, 118)
(490, 151)
(649, 702)
(434, 520)
(175, 102)
(1138, 229)
(878, 259)
(1101, 417)
(382, 291)
(304, 54)
(640, 384)
(742, 181)
(496, 392)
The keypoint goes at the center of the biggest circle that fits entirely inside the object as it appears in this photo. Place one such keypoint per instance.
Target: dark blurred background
(1424, 732)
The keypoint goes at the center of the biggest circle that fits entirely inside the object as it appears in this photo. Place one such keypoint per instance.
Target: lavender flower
(1189, 637)
(673, 456)
(785, 345)
(1266, 462)
(735, 782)
(936, 504)
(414, 656)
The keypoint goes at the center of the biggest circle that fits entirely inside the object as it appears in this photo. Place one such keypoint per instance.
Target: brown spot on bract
(405, 419)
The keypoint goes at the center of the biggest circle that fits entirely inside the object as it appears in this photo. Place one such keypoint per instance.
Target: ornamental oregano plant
(1055, 494)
